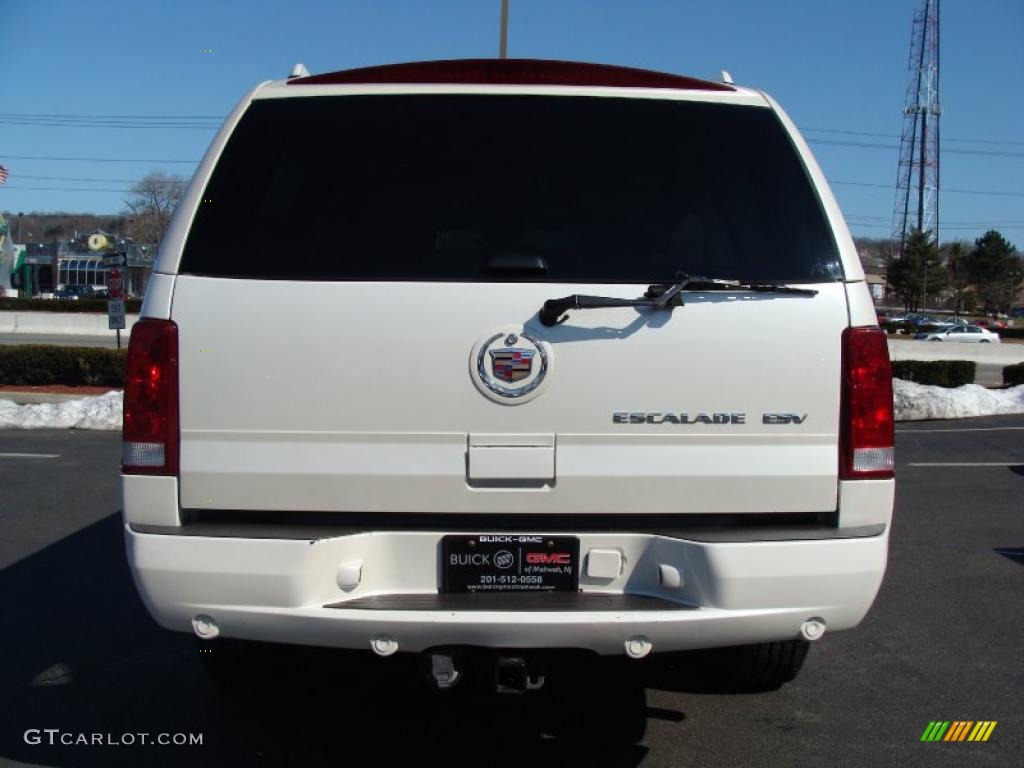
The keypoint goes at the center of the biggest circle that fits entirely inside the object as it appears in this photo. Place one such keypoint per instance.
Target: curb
(37, 396)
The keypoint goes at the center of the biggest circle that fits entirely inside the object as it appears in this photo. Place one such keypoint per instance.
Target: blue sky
(833, 65)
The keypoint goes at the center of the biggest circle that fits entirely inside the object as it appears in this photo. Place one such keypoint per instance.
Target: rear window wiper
(659, 296)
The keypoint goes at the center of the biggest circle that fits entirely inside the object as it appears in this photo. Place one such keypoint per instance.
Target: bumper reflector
(142, 454)
(873, 460)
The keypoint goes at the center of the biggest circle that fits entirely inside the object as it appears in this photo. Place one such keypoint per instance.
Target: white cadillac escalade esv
(500, 357)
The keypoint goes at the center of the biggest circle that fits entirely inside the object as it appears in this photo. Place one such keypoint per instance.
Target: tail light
(150, 433)
(866, 434)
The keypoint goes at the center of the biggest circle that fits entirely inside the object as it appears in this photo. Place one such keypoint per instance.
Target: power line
(66, 124)
(100, 159)
(897, 136)
(842, 182)
(207, 121)
(104, 181)
(869, 145)
(63, 189)
(111, 117)
(958, 228)
(944, 189)
(963, 223)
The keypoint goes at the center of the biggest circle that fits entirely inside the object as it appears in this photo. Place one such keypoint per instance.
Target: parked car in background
(969, 334)
(891, 317)
(918, 320)
(73, 292)
(989, 323)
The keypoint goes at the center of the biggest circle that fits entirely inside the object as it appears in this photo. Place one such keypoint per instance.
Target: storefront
(79, 269)
(88, 268)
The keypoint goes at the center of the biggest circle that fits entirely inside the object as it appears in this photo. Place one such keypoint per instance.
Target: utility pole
(503, 45)
(917, 178)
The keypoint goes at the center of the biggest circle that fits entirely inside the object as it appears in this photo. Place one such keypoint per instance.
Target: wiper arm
(659, 296)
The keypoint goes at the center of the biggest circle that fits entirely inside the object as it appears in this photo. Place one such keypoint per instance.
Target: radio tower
(917, 180)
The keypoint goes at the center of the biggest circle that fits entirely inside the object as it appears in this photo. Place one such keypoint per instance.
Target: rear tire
(768, 666)
(736, 669)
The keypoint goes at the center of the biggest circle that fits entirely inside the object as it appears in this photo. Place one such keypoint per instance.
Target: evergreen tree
(956, 269)
(995, 269)
(918, 273)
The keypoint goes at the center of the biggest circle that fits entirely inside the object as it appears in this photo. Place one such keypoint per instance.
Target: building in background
(80, 262)
(8, 260)
(35, 268)
(139, 266)
(877, 286)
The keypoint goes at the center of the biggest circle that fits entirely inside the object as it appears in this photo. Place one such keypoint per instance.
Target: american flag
(3, 175)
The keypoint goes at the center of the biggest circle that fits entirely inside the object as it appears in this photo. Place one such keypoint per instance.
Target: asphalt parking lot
(943, 642)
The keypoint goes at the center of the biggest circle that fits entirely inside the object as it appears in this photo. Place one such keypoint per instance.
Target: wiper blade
(660, 296)
(718, 284)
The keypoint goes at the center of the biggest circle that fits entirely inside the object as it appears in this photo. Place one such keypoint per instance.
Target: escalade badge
(509, 366)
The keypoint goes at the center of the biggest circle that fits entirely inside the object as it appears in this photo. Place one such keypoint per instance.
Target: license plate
(510, 563)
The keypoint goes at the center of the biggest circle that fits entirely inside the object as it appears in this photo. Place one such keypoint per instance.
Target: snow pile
(102, 412)
(914, 402)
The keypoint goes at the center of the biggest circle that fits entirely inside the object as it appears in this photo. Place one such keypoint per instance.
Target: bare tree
(151, 203)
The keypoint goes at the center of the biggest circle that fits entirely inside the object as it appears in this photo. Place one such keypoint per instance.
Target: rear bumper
(287, 590)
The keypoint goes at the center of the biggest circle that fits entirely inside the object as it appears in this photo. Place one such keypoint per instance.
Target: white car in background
(968, 334)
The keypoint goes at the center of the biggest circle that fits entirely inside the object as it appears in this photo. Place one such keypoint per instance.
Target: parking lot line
(29, 455)
(964, 463)
(963, 429)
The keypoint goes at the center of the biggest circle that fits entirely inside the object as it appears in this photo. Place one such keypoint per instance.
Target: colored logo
(512, 364)
(958, 730)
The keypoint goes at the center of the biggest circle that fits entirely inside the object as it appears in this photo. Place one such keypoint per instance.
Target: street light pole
(503, 46)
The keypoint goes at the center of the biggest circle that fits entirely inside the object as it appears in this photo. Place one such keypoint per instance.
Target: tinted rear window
(447, 187)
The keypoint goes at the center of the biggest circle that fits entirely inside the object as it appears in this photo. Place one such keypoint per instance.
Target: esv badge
(510, 366)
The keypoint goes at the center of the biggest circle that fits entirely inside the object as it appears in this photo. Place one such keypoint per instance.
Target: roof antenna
(726, 77)
(299, 70)
(503, 45)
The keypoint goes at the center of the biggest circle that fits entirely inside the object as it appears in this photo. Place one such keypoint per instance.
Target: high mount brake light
(150, 436)
(867, 431)
(511, 72)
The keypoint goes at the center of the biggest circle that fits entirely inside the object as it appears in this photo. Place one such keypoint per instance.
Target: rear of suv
(509, 357)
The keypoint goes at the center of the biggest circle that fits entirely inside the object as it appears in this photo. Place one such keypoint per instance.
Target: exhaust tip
(812, 629)
(205, 627)
(638, 647)
(383, 645)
